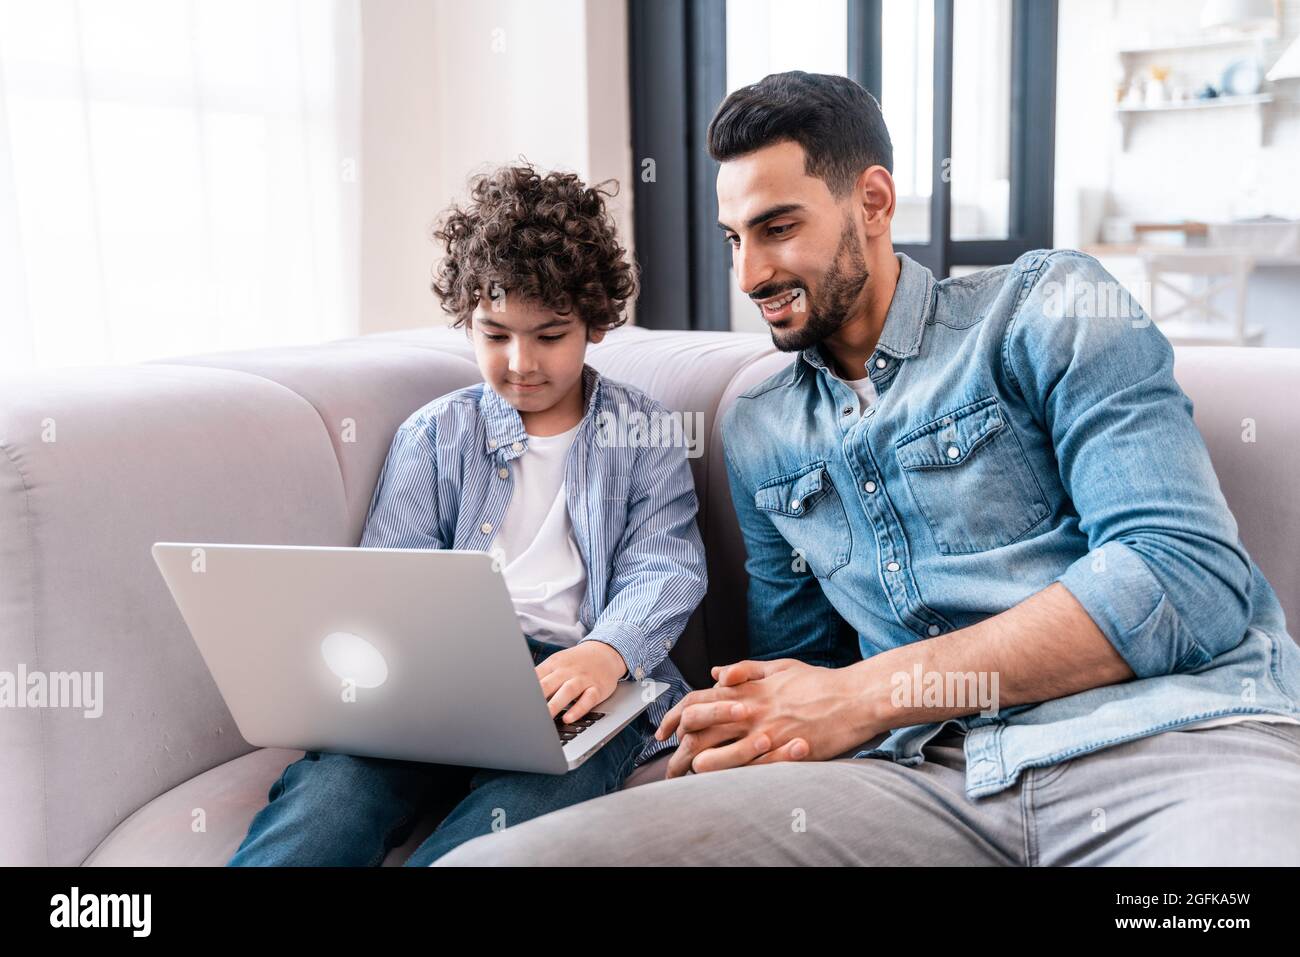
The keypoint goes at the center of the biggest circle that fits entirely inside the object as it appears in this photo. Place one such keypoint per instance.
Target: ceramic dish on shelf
(1242, 77)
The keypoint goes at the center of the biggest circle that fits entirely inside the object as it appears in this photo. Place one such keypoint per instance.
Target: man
(1064, 655)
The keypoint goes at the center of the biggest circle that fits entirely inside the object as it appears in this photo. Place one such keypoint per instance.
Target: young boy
(597, 541)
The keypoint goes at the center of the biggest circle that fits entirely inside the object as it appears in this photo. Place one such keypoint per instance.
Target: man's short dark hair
(835, 120)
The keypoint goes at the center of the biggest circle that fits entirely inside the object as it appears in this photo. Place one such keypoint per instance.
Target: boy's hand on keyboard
(584, 675)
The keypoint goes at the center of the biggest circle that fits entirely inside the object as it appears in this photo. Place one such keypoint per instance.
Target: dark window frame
(1033, 130)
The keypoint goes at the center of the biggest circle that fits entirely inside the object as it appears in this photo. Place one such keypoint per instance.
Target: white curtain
(176, 176)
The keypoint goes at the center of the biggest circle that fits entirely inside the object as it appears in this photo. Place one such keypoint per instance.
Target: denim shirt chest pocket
(808, 512)
(969, 477)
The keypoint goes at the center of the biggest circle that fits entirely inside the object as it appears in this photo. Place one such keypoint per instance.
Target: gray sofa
(284, 446)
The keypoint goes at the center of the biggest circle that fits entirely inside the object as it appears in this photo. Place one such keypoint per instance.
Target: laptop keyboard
(570, 731)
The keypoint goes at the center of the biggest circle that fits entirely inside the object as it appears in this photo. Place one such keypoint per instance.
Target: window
(772, 36)
(981, 119)
(175, 177)
(992, 120)
(907, 103)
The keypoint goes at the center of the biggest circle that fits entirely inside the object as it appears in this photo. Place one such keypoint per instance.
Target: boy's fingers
(566, 693)
(551, 682)
(586, 701)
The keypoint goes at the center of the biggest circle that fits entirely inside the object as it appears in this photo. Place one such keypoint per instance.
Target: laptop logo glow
(354, 659)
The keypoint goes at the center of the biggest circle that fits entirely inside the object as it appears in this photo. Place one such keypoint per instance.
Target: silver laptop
(402, 653)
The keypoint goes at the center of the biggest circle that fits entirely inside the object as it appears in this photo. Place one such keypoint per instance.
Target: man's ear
(875, 193)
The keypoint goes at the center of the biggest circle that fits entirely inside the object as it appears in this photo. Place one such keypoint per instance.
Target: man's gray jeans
(1213, 796)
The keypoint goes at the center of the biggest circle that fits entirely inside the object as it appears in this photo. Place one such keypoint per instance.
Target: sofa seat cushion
(163, 833)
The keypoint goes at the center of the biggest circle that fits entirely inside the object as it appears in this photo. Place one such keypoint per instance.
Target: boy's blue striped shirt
(447, 481)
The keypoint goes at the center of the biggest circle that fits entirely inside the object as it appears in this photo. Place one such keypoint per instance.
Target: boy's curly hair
(548, 239)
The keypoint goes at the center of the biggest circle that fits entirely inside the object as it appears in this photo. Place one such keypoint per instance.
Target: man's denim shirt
(1028, 431)
(447, 481)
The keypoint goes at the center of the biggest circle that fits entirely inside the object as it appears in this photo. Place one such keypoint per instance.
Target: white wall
(399, 162)
(454, 88)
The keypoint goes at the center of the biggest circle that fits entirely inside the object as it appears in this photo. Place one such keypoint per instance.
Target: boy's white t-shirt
(540, 560)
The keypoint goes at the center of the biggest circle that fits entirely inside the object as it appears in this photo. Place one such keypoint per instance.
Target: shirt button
(953, 451)
(893, 566)
(881, 363)
(518, 446)
(504, 473)
(485, 528)
(492, 443)
(794, 506)
(640, 672)
(847, 410)
(869, 486)
(933, 630)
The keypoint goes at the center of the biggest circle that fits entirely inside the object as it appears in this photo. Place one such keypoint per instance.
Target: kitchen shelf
(1213, 102)
(1197, 43)
(1257, 102)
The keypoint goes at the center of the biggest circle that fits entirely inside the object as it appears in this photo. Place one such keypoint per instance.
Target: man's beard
(836, 294)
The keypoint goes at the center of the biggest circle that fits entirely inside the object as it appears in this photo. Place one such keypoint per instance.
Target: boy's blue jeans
(339, 810)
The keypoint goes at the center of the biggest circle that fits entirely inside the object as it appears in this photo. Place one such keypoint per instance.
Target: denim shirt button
(893, 567)
(932, 630)
(869, 486)
(794, 505)
(953, 451)
(881, 363)
(847, 410)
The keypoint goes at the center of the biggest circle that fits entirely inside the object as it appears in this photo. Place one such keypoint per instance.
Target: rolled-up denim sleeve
(403, 509)
(1166, 578)
(789, 615)
(658, 575)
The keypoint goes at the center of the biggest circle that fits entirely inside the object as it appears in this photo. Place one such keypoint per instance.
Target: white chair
(1195, 319)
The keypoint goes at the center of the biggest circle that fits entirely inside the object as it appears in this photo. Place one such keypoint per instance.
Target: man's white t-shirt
(539, 555)
(865, 390)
